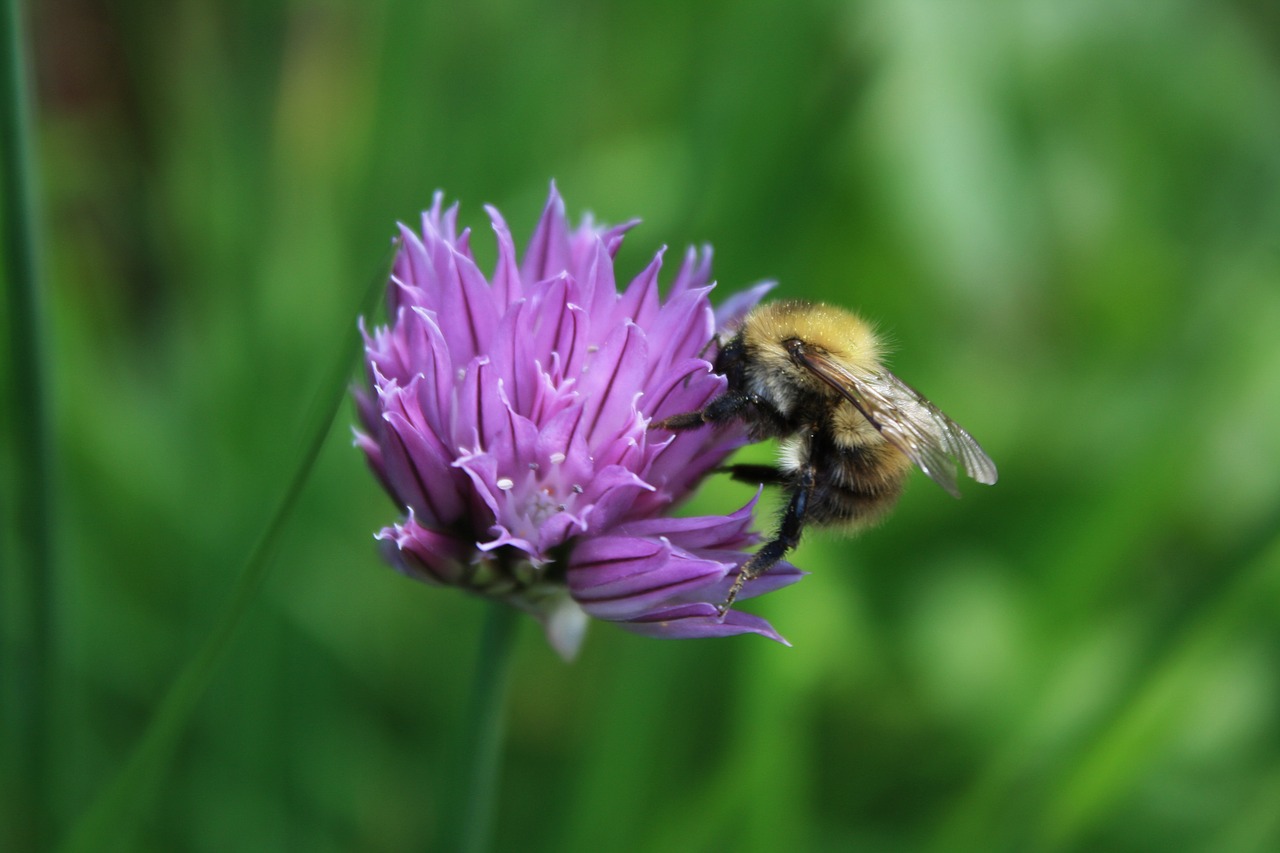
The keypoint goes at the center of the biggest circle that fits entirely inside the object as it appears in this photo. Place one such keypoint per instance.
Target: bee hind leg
(787, 537)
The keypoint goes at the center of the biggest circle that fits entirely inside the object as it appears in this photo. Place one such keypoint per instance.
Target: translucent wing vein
(937, 445)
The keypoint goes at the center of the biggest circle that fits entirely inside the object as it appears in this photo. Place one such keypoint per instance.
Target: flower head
(507, 416)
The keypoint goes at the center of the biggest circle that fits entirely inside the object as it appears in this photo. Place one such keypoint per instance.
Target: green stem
(470, 828)
(28, 661)
(110, 820)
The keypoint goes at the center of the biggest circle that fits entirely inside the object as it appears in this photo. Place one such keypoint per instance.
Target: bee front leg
(730, 406)
(724, 408)
(764, 475)
(787, 537)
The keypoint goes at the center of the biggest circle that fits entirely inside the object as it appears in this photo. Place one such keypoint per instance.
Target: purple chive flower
(507, 418)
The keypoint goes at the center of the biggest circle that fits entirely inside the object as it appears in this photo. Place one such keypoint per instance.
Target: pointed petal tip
(733, 309)
(701, 620)
(554, 199)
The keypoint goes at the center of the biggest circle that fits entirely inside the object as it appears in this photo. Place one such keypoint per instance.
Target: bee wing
(909, 422)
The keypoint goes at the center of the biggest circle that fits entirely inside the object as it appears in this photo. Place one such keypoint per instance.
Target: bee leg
(679, 423)
(765, 475)
(727, 407)
(724, 408)
(787, 537)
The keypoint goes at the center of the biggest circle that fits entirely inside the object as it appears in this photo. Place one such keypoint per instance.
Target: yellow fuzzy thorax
(842, 334)
(839, 332)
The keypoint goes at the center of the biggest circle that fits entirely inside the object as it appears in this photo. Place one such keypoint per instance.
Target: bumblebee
(811, 376)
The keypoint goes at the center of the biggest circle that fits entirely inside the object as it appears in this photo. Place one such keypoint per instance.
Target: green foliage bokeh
(1064, 215)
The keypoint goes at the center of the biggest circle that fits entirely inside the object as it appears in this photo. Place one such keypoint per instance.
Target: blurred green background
(1066, 215)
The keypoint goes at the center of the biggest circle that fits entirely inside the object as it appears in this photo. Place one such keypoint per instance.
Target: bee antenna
(714, 341)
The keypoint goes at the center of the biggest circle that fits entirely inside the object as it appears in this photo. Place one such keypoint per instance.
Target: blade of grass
(28, 659)
(111, 819)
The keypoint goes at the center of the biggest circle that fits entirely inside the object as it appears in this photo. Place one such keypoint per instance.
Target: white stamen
(506, 483)
(557, 458)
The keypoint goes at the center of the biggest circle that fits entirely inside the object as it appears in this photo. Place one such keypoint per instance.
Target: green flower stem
(110, 821)
(469, 826)
(27, 661)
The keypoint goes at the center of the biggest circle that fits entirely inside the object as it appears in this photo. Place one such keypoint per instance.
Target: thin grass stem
(112, 818)
(469, 826)
(28, 659)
